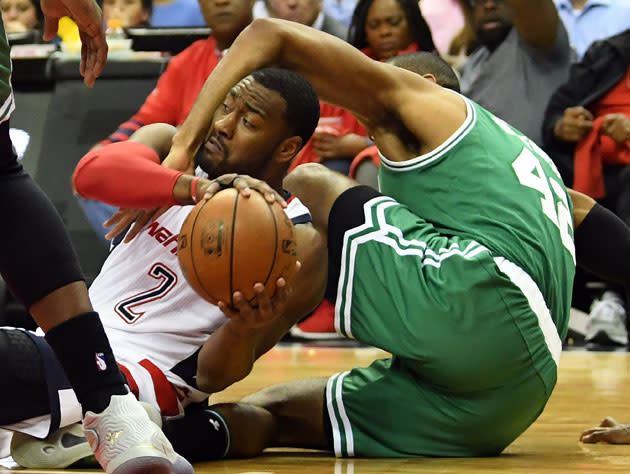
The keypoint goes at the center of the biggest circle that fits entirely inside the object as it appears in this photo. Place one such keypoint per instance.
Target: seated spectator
(21, 15)
(524, 55)
(306, 12)
(586, 132)
(589, 20)
(131, 13)
(180, 13)
(385, 28)
(179, 85)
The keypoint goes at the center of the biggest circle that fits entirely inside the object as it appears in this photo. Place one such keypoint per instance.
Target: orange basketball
(230, 242)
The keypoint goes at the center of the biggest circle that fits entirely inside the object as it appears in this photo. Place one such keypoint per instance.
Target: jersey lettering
(554, 199)
(127, 309)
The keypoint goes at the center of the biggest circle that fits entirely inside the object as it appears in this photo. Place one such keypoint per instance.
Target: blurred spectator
(340, 10)
(179, 85)
(131, 13)
(524, 55)
(465, 41)
(181, 13)
(21, 15)
(306, 12)
(586, 132)
(445, 19)
(590, 20)
(385, 28)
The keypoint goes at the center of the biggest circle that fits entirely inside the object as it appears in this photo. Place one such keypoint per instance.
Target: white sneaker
(125, 441)
(607, 320)
(60, 450)
(5, 443)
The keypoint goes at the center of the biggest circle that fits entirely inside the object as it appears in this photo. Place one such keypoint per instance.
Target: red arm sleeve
(126, 174)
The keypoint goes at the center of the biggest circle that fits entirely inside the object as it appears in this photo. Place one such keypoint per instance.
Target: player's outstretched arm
(602, 240)
(340, 74)
(229, 354)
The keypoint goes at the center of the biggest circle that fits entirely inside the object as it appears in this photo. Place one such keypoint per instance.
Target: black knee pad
(22, 370)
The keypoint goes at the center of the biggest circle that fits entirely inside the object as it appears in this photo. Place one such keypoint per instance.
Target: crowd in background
(559, 71)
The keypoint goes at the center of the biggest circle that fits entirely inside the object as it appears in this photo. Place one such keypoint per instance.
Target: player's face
(492, 20)
(386, 29)
(246, 130)
(227, 16)
(299, 11)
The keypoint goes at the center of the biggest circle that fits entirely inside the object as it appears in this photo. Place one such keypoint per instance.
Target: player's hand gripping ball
(229, 242)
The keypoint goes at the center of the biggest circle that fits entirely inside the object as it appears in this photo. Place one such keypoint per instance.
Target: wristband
(193, 189)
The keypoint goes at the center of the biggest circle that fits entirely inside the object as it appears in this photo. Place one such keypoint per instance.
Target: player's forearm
(268, 42)
(227, 357)
(125, 174)
(227, 73)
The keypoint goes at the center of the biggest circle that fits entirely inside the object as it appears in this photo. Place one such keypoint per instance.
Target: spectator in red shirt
(386, 28)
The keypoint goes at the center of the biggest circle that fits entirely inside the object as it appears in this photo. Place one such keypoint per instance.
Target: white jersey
(155, 322)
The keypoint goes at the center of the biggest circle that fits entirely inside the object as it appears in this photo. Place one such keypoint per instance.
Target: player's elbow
(86, 176)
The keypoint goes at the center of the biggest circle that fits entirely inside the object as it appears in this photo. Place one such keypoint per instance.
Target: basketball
(230, 242)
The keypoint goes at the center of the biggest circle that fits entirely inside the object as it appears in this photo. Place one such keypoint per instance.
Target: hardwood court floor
(591, 386)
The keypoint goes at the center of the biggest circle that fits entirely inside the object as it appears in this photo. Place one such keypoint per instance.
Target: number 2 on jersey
(127, 309)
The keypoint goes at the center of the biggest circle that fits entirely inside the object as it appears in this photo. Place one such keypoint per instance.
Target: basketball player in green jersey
(462, 268)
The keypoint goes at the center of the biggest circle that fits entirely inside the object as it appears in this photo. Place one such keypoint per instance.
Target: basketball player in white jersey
(159, 328)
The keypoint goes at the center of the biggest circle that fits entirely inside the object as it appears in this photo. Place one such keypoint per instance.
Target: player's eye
(248, 124)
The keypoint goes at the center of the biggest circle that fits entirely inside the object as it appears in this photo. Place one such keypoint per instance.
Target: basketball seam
(232, 248)
(275, 248)
(192, 256)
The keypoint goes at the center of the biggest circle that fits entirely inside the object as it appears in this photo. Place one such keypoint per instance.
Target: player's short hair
(422, 62)
(302, 111)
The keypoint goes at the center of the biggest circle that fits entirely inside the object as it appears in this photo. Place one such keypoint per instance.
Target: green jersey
(6, 95)
(490, 183)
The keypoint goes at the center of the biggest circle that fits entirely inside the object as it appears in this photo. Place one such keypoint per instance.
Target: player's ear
(287, 150)
(430, 77)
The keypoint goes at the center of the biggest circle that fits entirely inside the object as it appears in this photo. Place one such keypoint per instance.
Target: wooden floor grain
(591, 386)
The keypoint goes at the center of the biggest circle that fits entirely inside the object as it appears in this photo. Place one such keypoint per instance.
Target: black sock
(602, 246)
(82, 347)
(200, 435)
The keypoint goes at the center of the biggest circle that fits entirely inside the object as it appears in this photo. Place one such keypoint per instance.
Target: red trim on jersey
(133, 386)
(125, 174)
(164, 390)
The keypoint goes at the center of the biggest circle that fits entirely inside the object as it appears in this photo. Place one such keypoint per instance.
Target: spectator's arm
(536, 21)
(582, 81)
